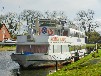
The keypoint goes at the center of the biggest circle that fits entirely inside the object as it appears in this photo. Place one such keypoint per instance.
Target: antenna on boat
(19, 21)
(37, 26)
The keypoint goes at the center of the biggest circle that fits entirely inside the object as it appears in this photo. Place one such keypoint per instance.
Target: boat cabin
(53, 44)
(53, 38)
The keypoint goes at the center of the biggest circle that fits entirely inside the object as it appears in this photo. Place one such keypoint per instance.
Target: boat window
(47, 22)
(57, 48)
(76, 34)
(39, 48)
(23, 48)
(33, 48)
(82, 36)
(71, 34)
(59, 32)
(65, 48)
(65, 33)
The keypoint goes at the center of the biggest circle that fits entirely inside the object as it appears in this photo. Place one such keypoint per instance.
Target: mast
(19, 24)
(37, 26)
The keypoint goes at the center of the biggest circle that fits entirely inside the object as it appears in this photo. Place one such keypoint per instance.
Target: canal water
(10, 68)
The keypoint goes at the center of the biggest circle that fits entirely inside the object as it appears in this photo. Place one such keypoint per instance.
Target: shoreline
(7, 48)
(88, 65)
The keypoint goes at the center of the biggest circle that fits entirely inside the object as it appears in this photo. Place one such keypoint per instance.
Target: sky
(70, 7)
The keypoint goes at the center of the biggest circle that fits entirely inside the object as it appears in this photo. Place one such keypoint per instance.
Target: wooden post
(84, 54)
(96, 48)
(18, 73)
(96, 45)
(56, 65)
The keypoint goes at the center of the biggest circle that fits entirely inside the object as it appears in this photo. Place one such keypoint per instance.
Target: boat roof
(40, 43)
(31, 43)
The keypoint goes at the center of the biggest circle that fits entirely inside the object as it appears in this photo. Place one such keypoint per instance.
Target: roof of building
(1, 25)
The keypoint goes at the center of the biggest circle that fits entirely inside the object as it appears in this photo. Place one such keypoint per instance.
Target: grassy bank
(88, 46)
(5, 48)
(87, 66)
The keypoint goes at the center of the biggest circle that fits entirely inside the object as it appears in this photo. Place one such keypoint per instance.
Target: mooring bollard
(76, 56)
(84, 54)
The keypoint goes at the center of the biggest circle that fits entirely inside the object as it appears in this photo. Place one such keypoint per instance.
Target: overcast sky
(70, 7)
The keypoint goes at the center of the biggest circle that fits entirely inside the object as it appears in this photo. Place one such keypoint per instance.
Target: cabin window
(39, 48)
(65, 48)
(57, 48)
(61, 49)
(65, 33)
(59, 32)
(32, 48)
(76, 34)
(81, 35)
(71, 34)
(23, 48)
(53, 48)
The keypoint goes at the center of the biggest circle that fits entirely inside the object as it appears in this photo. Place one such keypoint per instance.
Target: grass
(87, 45)
(72, 48)
(5, 48)
(87, 66)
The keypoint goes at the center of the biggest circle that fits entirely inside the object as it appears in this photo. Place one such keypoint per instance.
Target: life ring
(44, 30)
(50, 31)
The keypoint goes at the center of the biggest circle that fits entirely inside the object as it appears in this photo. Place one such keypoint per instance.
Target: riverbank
(7, 48)
(13, 47)
(87, 66)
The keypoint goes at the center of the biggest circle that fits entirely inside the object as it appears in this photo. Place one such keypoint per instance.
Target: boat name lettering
(58, 39)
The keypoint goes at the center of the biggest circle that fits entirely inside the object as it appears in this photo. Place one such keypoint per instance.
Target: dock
(9, 43)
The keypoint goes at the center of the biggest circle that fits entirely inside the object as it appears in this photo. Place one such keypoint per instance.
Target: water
(10, 68)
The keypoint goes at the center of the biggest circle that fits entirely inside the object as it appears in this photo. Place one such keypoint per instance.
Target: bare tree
(11, 20)
(30, 15)
(86, 21)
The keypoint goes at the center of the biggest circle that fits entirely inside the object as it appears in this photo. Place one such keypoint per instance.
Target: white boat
(47, 41)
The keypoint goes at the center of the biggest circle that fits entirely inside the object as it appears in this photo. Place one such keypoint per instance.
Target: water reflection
(6, 64)
(10, 68)
(36, 72)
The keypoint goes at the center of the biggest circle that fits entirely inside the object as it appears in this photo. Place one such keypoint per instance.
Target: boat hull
(39, 59)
